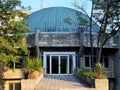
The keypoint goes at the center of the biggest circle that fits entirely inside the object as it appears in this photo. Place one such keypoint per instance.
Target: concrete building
(62, 41)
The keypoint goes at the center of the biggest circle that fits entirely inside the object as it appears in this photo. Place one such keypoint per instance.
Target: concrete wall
(30, 84)
(101, 84)
(10, 77)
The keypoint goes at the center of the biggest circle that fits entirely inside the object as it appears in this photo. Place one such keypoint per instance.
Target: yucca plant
(37, 63)
(28, 65)
(31, 65)
(99, 71)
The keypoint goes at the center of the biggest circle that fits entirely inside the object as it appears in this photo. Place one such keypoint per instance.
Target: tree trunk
(14, 66)
(91, 38)
(99, 54)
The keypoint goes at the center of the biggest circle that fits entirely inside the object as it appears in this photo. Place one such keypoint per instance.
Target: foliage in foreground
(12, 32)
(32, 65)
(98, 72)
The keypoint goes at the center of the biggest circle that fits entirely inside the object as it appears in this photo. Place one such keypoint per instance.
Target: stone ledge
(16, 74)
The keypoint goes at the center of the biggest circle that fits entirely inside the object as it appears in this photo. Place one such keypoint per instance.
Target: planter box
(16, 74)
(96, 84)
(101, 84)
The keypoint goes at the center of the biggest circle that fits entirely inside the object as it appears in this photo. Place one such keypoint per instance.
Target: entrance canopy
(62, 63)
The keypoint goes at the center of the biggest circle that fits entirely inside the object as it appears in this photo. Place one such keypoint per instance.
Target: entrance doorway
(59, 63)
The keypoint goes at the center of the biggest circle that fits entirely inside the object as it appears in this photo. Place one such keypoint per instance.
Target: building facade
(60, 39)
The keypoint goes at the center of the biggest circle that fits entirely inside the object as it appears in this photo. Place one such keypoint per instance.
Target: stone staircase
(61, 82)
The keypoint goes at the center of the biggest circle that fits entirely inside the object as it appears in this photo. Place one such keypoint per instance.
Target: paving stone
(61, 82)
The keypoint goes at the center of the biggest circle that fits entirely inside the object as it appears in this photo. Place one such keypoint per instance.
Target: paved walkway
(60, 82)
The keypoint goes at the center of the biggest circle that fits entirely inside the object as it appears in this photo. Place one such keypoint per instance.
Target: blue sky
(36, 4)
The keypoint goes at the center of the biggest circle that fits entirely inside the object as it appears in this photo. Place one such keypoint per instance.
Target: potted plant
(99, 72)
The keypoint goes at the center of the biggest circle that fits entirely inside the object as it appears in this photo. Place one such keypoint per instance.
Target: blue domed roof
(55, 19)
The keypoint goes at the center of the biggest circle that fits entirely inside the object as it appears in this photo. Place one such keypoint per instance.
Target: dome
(55, 19)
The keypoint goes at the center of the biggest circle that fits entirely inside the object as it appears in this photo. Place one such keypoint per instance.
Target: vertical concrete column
(117, 65)
(37, 32)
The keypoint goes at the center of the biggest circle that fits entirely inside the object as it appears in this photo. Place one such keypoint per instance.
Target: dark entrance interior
(55, 64)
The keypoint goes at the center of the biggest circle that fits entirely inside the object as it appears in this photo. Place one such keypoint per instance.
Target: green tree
(106, 13)
(12, 32)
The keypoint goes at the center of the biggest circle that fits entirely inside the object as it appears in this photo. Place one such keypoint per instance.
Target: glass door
(63, 64)
(48, 64)
(70, 64)
(59, 63)
(54, 64)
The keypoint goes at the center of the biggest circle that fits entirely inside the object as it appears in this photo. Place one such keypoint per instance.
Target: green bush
(32, 64)
(97, 73)
(86, 72)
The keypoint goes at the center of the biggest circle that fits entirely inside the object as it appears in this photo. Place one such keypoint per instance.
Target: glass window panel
(48, 64)
(70, 64)
(101, 60)
(55, 65)
(17, 86)
(106, 62)
(63, 64)
(87, 62)
(93, 62)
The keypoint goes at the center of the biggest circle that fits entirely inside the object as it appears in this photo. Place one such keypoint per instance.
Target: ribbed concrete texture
(61, 82)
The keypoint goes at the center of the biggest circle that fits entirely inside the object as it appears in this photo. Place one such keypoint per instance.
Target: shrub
(86, 72)
(32, 64)
(97, 73)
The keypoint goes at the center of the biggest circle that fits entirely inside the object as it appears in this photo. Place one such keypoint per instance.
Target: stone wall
(109, 71)
(16, 74)
(59, 39)
(30, 40)
(54, 39)
(68, 39)
(111, 43)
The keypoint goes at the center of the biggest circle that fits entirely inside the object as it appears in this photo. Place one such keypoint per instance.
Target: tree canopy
(12, 31)
(106, 13)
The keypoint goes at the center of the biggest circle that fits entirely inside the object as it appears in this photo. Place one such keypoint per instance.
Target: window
(14, 86)
(87, 62)
(104, 61)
